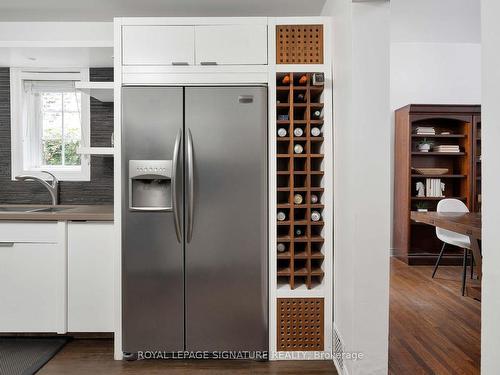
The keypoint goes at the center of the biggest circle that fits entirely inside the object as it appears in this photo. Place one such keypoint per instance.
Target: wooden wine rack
(299, 173)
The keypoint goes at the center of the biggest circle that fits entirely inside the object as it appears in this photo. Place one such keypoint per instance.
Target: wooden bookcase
(417, 243)
(299, 173)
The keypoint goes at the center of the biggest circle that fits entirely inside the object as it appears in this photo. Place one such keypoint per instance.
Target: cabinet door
(32, 292)
(231, 44)
(90, 277)
(158, 45)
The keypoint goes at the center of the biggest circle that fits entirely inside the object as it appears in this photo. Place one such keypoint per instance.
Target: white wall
(435, 52)
(361, 174)
(56, 34)
(435, 73)
(490, 116)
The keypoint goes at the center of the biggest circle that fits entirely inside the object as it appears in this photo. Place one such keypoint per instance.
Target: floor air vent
(338, 350)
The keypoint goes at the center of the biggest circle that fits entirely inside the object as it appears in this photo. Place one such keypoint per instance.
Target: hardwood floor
(432, 328)
(95, 356)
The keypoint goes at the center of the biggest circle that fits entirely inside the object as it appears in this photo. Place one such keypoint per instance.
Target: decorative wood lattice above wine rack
(299, 44)
(300, 324)
(299, 179)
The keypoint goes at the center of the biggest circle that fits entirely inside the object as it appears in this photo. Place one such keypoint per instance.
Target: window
(50, 121)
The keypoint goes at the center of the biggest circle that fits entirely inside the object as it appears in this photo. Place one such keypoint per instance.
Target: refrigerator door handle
(190, 187)
(175, 161)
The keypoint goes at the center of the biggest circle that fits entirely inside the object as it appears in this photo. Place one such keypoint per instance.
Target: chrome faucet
(53, 187)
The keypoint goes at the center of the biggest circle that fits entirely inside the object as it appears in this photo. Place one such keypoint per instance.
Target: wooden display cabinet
(416, 243)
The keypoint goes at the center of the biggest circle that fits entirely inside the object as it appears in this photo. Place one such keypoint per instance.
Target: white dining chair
(452, 238)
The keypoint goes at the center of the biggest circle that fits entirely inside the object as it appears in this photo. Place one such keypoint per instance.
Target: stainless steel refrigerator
(194, 219)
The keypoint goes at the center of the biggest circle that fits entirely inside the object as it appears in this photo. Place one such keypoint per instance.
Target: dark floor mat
(26, 355)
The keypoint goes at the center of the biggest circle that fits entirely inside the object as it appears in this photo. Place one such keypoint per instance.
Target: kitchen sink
(32, 209)
(51, 209)
(18, 209)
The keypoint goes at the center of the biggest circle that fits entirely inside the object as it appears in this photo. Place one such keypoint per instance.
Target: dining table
(466, 223)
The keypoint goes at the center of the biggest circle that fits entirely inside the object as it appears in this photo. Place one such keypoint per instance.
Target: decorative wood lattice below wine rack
(300, 324)
(299, 180)
(299, 44)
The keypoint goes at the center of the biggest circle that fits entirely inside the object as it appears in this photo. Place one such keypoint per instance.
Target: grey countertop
(71, 212)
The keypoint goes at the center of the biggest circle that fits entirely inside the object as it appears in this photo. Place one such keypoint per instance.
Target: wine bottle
(315, 216)
(303, 80)
(314, 199)
(285, 80)
(316, 114)
(281, 216)
(282, 132)
(297, 199)
(315, 132)
(298, 232)
(298, 149)
(301, 98)
(298, 132)
(281, 247)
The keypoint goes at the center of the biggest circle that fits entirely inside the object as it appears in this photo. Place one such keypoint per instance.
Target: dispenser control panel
(150, 185)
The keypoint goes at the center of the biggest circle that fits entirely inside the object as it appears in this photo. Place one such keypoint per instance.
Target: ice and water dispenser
(150, 185)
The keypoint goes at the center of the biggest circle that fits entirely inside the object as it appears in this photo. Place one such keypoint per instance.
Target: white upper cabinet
(158, 45)
(244, 44)
(231, 44)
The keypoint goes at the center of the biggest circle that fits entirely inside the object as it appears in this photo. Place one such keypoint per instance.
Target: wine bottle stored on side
(281, 247)
(316, 115)
(285, 81)
(298, 232)
(303, 80)
(300, 98)
(298, 132)
(298, 149)
(315, 216)
(298, 199)
(282, 132)
(281, 216)
(314, 198)
(315, 132)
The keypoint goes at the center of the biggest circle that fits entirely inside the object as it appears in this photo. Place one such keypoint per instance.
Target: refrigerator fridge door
(226, 218)
(152, 250)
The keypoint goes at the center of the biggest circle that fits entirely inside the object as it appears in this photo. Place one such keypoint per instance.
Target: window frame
(18, 122)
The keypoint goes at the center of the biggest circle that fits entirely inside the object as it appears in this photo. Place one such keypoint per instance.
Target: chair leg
(464, 271)
(471, 266)
(438, 260)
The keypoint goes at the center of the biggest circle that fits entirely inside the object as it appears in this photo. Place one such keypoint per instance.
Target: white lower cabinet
(32, 277)
(56, 276)
(90, 277)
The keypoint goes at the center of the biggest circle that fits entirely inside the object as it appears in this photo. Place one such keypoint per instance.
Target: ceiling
(105, 10)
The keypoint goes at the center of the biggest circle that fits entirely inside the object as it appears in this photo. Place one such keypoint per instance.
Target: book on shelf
(434, 188)
(447, 148)
(426, 130)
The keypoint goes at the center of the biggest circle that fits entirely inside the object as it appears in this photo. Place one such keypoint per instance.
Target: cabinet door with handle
(158, 45)
(32, 292)
(231, 45)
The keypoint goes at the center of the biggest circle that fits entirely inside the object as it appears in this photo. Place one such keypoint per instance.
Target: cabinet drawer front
(158, 45)
(231, 44)
(41, 232)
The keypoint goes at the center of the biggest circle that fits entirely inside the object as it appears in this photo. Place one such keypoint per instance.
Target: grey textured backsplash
(97, 191)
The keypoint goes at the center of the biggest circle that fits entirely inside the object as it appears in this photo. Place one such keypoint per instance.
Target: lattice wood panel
(300, 324)
(299, 44)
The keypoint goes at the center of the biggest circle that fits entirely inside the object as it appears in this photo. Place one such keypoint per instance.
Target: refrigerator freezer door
(226, 256)
(152, 255)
